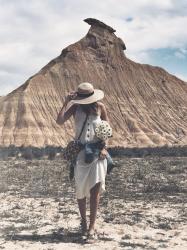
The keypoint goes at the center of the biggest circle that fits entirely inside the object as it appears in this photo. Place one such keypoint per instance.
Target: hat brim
(97, 95)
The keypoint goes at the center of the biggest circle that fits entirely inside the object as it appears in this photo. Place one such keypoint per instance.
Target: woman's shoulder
(100, 103)
(101, 106)
(103, 112)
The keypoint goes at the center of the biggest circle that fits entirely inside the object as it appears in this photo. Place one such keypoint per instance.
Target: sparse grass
(176, 169)
(135, 178)
(133, 245)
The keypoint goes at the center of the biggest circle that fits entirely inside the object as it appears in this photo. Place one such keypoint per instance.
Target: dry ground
(144, 206)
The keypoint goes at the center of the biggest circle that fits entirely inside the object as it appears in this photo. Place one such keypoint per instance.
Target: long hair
(90, 108)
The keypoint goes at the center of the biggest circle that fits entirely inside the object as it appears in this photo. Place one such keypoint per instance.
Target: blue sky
(34, 32)
(173, 60)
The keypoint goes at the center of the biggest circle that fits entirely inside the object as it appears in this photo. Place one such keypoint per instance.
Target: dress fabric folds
(87, 175)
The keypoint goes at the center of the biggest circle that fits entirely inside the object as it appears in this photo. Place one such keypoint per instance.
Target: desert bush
(51, 155)
(51, 151)
(38, 152)
(166, 150)
(12, 151)
(3, 153)
(27, 153)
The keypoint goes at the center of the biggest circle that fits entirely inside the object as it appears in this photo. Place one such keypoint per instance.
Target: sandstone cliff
(146, 105)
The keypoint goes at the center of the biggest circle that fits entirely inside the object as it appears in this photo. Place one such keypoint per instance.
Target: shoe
(71, 172)
(83, 226)
(92, 236)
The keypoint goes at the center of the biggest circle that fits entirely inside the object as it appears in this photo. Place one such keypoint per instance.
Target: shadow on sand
(55, 237)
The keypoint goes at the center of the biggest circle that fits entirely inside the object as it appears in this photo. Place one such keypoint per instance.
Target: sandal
(83, 226)
(92, 236)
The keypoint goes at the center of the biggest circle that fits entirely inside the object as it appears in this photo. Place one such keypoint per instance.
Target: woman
(89, 177)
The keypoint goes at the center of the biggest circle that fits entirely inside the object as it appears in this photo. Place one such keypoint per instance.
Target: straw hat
(86, 94)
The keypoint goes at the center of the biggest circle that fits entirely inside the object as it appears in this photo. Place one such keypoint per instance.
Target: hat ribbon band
(84, 95)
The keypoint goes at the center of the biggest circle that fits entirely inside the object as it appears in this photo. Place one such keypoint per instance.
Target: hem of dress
(102, 189)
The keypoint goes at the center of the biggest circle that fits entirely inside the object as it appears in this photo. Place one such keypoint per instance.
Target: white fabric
(87, 175)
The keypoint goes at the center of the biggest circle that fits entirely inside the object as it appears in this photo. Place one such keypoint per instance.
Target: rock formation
(147, 106)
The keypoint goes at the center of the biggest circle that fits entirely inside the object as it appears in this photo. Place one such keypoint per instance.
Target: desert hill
(147, 106)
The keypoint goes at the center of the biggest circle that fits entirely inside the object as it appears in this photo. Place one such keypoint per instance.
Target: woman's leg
(94, 202)
(82, 209)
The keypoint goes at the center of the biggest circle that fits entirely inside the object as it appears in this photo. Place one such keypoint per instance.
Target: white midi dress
(87, 174)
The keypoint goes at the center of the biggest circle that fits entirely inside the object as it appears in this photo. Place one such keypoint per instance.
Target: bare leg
(94, 202)
(82, 209)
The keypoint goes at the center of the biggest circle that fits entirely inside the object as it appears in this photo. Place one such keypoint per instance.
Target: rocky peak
(101, 35)
(146, 105)
(102, 41)
(96, 23)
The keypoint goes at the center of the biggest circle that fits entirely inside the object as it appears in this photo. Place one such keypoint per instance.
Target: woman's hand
(70, 96)
(103, 154)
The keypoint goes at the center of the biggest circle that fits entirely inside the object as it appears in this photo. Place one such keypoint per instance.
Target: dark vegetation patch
(51, 152)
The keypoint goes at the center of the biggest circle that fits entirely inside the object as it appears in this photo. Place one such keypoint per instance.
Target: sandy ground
(144, 206)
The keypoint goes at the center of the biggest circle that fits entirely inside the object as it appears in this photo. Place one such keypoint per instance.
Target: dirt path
(144, 206)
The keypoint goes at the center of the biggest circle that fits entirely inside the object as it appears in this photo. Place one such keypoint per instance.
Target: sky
(34, 32)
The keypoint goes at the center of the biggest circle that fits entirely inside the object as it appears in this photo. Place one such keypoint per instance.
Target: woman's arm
(64, 115)
(104, 115)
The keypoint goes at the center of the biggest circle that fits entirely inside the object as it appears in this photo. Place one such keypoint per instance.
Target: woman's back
(88, 133)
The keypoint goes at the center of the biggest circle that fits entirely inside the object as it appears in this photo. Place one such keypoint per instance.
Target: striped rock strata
(147, 106)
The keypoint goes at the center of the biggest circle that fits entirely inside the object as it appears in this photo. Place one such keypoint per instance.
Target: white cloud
(181, 53)
(34, 32)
